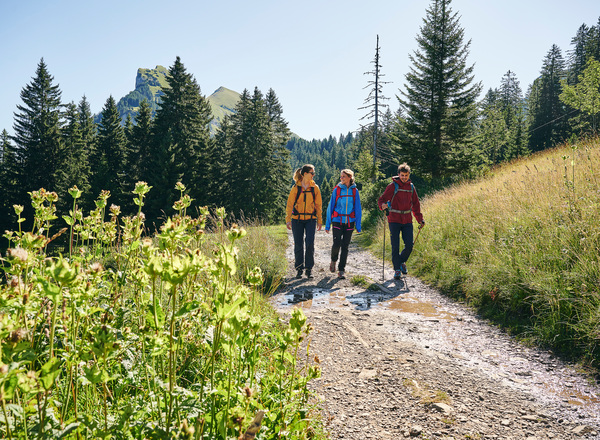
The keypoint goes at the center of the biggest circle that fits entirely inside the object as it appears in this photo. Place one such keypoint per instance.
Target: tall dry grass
(522, 245)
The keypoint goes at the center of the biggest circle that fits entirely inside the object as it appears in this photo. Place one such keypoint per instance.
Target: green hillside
(522, 245)
(222, 102)
(149, 84)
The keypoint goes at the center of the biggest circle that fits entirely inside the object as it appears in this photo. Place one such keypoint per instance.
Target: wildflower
(96, 267)
(115, 210)
(141, 188)
(17, 335)
(52, 197)
(18, 254)
(75, 192)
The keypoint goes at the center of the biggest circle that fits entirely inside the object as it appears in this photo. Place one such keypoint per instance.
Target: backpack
(338, 194)
(294, 210)
(396, 189)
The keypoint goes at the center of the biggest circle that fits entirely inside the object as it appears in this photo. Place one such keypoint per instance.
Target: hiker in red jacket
(401, 199)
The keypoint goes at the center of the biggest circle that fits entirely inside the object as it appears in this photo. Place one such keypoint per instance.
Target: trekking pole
(387, 212)
(418, 232)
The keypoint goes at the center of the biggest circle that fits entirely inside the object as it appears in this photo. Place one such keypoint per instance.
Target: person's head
(347, 177)
(404, 172)
(301, 172)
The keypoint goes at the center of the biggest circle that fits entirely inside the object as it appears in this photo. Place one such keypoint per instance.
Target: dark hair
(302, 171)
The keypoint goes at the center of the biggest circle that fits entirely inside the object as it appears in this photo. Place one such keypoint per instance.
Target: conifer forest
(247, 165)
(127, 309)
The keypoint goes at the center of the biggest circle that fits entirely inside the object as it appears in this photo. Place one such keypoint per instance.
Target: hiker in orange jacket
(303, 216)
(401, 199)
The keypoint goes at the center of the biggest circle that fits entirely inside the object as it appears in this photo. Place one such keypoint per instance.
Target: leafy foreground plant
(131, 337)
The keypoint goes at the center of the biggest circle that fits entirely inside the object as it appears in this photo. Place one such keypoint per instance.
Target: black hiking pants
(342, 234)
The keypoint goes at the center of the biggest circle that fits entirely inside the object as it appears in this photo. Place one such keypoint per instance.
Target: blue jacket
(344, 206)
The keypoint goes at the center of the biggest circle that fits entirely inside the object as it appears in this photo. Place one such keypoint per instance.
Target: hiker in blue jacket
(344, 214)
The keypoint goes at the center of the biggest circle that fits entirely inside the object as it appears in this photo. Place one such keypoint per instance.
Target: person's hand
(318, 227)
(289, 225)
(327, 230)
(383, 206)
(421, 224)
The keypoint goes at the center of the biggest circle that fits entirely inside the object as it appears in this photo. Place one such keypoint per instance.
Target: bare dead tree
(374, 101)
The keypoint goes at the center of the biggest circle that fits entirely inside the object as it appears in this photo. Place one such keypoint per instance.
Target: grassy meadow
(116, 335)
(522, 245)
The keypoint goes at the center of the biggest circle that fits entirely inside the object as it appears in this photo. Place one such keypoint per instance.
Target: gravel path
(404, 361)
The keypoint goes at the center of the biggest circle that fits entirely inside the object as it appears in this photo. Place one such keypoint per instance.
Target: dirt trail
(405, 361)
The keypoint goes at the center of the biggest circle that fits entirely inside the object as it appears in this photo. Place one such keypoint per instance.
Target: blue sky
(313, 54)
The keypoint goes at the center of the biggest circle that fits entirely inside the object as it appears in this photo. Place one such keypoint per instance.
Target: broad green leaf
(49, 373)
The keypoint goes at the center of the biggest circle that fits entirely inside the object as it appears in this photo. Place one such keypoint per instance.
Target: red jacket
(406, 200)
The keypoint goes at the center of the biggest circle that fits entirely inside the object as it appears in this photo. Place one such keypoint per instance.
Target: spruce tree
(108, 160)
(37, 136)
(140, 139)
(254, 188)
(440, 97)
(9, 184)
(510, 98)
(493, 134)
(89, 136)
(182, 147)
(277, 160)
(547, 114)
(75, 169)
(579, 54)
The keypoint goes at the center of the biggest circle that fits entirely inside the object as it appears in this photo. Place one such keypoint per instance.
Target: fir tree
(37, 134)
(510, 98)
(108, 160)
(439, 101)
(182, 148)
(493, 134)
(75, 169)
(89, 136)
(547, 114)
(140, 139)
(9, 184)
(579, 54)
(256, 188)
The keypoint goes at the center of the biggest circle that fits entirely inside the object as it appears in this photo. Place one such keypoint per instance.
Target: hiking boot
(397, 274)
(299, 274)
(309, 273)
(341, 275)
(332, 267)
(403, 268)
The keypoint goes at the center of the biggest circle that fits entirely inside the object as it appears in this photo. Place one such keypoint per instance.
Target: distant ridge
(222, 103)
(149, 84)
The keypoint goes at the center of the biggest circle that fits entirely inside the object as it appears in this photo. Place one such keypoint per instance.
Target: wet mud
(411, 312)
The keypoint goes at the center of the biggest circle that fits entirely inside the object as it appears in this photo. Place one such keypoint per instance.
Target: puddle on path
(399, 299)
(396, 300)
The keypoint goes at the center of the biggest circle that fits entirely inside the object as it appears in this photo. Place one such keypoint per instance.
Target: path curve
(405, 361)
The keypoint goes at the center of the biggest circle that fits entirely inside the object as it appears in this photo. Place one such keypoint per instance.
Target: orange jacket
(307, 206)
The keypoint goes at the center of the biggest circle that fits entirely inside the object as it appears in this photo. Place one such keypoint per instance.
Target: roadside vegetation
(117, 335)
(522, 245)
